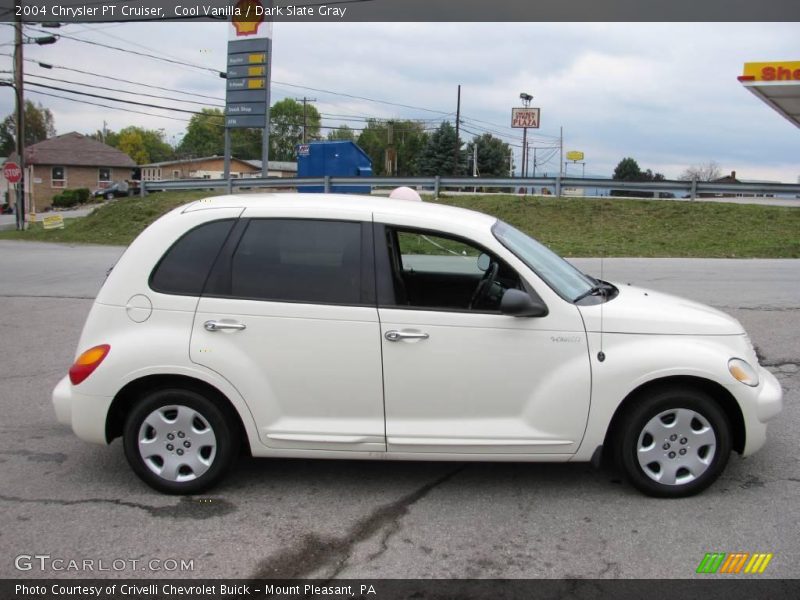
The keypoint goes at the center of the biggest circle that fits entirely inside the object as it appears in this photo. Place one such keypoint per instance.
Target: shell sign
(247, 20)
(771, 71)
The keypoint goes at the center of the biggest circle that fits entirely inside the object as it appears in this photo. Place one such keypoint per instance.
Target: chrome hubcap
(177, 443)
(676, 446)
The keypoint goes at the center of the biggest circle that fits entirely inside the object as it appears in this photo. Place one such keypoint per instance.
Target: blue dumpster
(335, 159)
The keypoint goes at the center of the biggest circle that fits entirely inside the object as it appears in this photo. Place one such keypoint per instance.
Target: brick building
(208, 167)
(71, 161)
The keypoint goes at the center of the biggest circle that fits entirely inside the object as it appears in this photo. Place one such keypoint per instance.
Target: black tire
(110, 196)
(650, 418)
(194, 416)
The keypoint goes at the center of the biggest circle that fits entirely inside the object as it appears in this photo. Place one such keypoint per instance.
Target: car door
(469, 380)
(289, 317)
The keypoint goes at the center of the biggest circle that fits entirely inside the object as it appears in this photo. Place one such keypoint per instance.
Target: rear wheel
(673, 442)
(178, 441)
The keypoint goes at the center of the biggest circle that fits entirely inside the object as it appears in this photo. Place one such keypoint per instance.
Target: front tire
(673, 442)
(178, 441)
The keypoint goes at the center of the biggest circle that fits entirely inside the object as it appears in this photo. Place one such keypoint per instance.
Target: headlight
(742, 371)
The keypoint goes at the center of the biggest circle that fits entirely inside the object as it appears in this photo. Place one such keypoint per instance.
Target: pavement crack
(47, 296)
(194, 508)
(56, 457)
(315, 552)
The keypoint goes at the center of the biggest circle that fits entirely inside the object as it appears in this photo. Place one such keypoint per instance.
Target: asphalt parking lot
(290, 518)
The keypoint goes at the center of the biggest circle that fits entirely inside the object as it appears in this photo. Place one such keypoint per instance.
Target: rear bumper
(85, 414)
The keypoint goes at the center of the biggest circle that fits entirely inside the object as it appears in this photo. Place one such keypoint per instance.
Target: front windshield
(567, 281)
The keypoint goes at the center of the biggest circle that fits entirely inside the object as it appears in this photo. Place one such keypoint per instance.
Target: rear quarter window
(185, 266)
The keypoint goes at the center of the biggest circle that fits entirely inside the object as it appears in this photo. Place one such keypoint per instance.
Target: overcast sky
(665, 94)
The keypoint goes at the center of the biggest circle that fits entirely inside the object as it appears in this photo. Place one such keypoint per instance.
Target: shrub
(83, 195)
(65, 199)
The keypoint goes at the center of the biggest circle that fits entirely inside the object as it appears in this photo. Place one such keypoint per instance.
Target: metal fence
(555, 185)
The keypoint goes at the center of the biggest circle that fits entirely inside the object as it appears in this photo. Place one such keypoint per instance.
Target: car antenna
(601, 356)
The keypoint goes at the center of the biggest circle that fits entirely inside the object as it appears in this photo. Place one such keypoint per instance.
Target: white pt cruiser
(324, 326)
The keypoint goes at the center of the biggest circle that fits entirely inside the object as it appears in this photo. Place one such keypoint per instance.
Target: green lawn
(571, 226)
(116, 223)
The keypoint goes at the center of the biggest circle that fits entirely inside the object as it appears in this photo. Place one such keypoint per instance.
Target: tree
(437, 156)
(393, 143)
(343, 132)
(493, 155)
(39, 125)
(131, 143)
(286, 128)
(142, 145)
(703, 172)
(628, 170)
(205, 135)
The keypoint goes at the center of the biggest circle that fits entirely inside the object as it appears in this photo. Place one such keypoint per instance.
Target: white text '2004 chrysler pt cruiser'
(327, 326)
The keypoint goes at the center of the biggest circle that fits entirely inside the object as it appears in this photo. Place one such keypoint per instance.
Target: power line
(119, 108)
(111, 89)
(59, 89)
(136, 52)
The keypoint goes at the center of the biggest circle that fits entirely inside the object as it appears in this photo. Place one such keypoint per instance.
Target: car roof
(332, 203)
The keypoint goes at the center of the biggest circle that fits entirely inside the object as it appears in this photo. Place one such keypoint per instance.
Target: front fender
(632, 361)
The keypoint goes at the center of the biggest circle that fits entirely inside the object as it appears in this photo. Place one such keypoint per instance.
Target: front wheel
(673, 442)
(178, 441)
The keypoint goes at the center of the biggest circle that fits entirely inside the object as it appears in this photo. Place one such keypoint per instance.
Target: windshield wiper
(597, 288)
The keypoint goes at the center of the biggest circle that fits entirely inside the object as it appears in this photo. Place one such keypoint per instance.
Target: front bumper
(85, 414)
(770, 398)
(767, 404)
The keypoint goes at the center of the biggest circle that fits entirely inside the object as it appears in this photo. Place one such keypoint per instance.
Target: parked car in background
(117, 189)
(325, 326)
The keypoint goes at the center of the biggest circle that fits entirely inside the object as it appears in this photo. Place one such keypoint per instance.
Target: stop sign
(12, 172)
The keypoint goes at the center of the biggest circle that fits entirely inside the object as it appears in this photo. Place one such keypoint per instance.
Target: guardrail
(437, 184)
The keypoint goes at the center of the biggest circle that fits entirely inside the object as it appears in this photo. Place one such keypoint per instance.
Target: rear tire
(673, 442)
(178, 441)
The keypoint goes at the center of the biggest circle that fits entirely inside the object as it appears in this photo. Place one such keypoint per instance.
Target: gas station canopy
(777, 84)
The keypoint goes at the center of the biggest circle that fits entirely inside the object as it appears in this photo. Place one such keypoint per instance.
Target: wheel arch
(124, 400)
(723, 398)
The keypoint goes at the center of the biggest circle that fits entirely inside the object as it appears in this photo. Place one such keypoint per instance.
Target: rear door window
(299, 260)
(185, 266)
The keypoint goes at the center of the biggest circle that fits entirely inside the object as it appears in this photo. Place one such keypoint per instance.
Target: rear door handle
(219, 325)
(395, 336)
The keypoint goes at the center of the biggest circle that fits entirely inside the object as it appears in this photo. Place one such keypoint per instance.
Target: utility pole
(304, 100)
(526, 102)
(18, 92)
(510, 162)
(561, 149)
(458, 124)
(534, 161)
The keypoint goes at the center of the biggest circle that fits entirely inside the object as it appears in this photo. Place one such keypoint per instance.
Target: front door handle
(395, 336)
(219, 325)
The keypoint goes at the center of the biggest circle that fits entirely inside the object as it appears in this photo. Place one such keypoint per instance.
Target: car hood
(642, 311)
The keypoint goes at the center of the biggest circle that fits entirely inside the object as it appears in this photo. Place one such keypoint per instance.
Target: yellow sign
(257, 59)
(53, 222)
(256, 71)
(255, 84)
(771, 71)
(575, 155)
(248, 16)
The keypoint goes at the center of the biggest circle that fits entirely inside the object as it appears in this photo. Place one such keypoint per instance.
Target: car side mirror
(516, 303)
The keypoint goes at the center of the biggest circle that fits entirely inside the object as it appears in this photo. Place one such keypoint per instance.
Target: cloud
(665, 94)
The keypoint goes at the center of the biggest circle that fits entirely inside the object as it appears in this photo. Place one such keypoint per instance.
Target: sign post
(523, 118)
(248, 76)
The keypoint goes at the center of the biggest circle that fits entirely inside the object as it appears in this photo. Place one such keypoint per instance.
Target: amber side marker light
(87, 363)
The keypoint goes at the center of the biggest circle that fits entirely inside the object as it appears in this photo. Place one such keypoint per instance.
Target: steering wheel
(484, 285)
